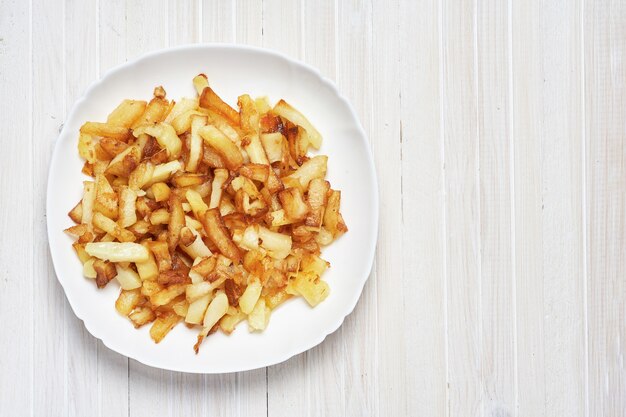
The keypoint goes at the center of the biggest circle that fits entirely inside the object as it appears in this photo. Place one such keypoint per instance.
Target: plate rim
(249, 48)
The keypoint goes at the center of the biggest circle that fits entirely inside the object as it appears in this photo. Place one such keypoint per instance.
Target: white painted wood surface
(498, 130)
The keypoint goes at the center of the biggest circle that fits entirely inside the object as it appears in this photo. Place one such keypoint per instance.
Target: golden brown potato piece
(127, 113)
(256, 172)
(217, 232)
(317, 198)
(76, 214)
(333, 221)
(125, 162)
(227, 150)
(127, 301)
(163, 324)
(200, 82)
(105, 130)
(283, 109)
(141, 316)
(105, 272)
(176, 221)
(210, 100)
(155, 112)
(112, 146)
(106, 198)
(293, 203)
(161, 254)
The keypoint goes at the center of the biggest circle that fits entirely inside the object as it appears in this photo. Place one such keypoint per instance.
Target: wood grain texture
(386, 140)
(462, 211)
(547, 129)
(497, 309)
(16, 278)
(605, 108)
(47, 111)
(423, 235)
(497, 129)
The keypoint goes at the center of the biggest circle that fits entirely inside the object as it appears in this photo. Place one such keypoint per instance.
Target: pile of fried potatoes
(202, 213)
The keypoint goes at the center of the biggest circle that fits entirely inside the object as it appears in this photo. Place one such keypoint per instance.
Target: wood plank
(282, 27)
(385, 137)
(497, 309)
(17, 279)
(183, 22)
(248, 21)
(80, 71)
(287, 383)
(462, 211)
(359, 330)
(528, 178)
(47, 114)
(605, 107)
(218, 23)
(549, 253)
(562, 207)
(422, 210)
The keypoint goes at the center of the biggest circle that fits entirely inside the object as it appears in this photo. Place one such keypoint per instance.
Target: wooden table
(498, 129)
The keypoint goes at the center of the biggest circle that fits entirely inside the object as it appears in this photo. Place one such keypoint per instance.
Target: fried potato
(87, 203)
(124, 163)
(127, 207)
(210, 100)
(221, 176)
(333, 221)
(200, 82)
(283, 109)
(176, 221)
(227, 150)
(311, 287)
(250, 296)
(277, 245)
(309, 170)
(86, 147)
(259, 316)
(203, 213)
(156, 111)
(317, 200)
(117, 251)
(109, 226)
(162, 325)
(127, 301)
(164, 134)
(141, 316)
(217, 232)
(105, 130)
(293, 203)
(160, 191)
(127, 113)
(105, 272)
(183, 106)
(196, 150)
(197, 309)
(106, 198)
(128, 279)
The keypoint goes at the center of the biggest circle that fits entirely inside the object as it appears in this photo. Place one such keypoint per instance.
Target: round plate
(232, 70)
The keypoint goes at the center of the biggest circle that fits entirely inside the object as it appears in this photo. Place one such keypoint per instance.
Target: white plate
(232, 70)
